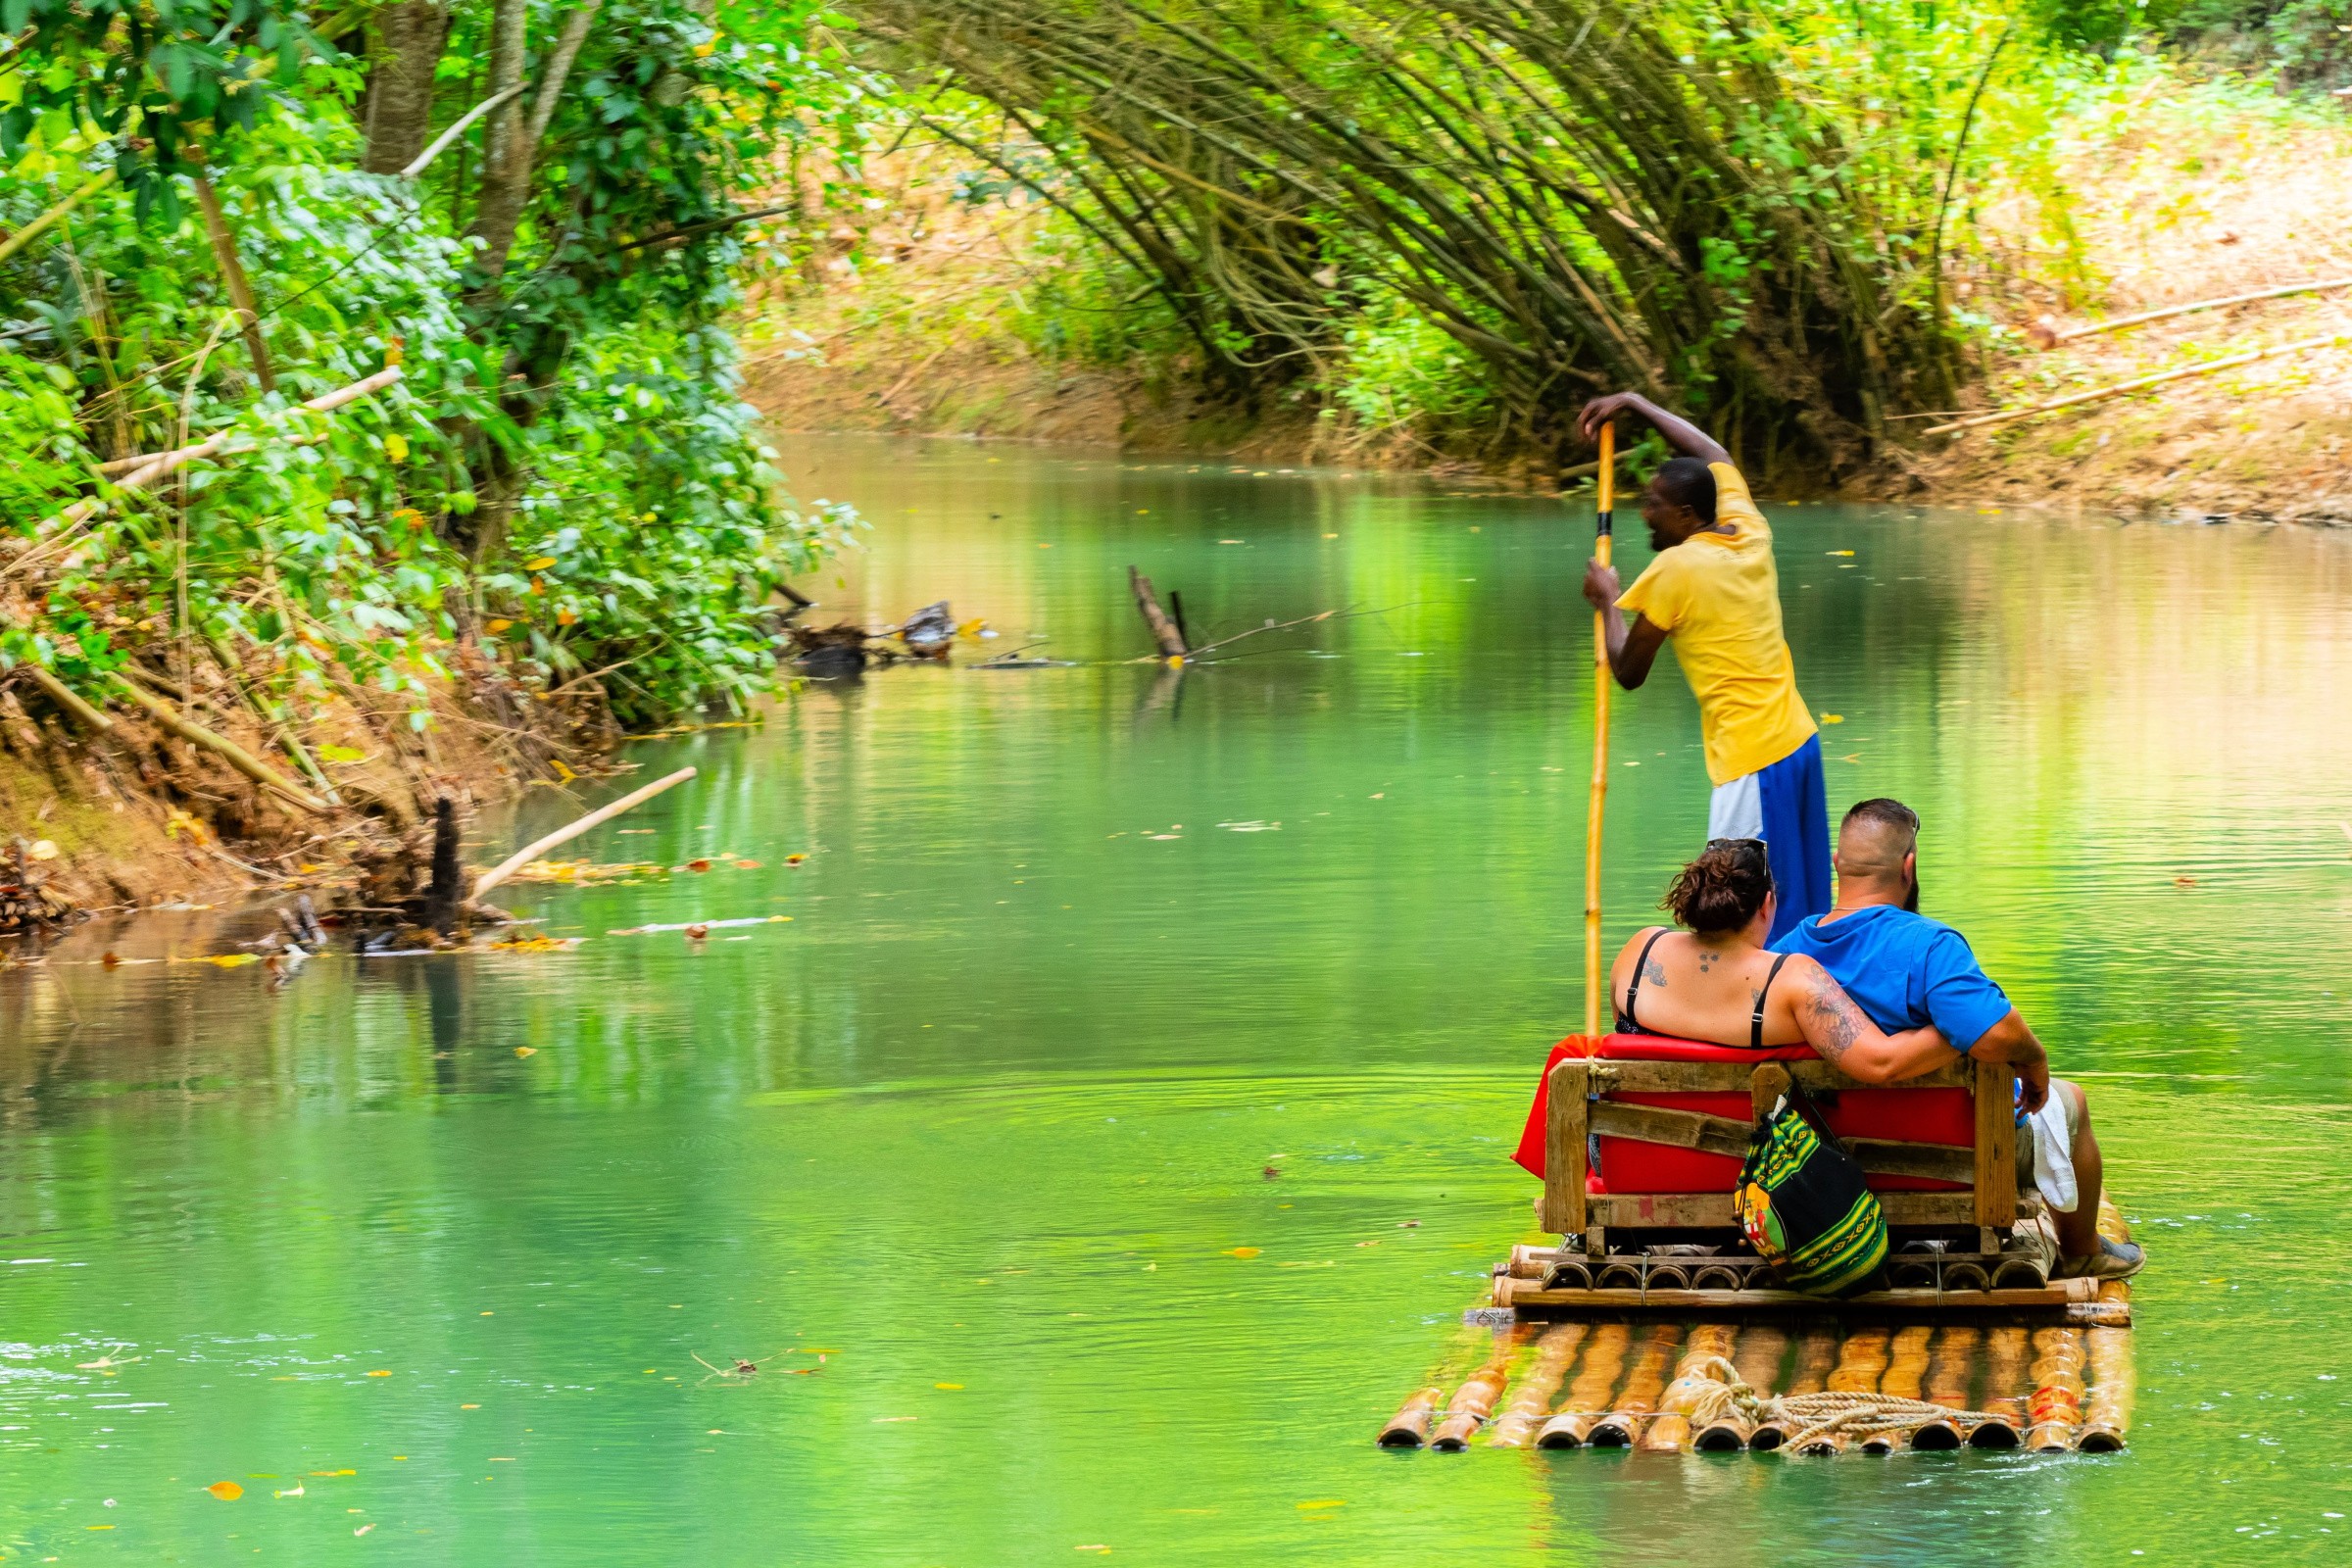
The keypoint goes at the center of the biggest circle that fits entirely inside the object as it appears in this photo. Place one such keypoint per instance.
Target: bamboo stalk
(2006, 1392)
(67, 698)
(2170, 311)
(2138, 383)
(1906, 1370)
(1860, 1360)
(1602, 678)
(1409, 1428)
(1622, 1427)
(39, 226)
(1530, 1402)
(1816, 1355)
(1670, 1431)
(1947, 1385)
(232, 274)
(2107, 1412)
(1589, 1395)
(226, 750)
(1474, 1401)
(2057, 1409)
(1756, 1357)
(564, 835)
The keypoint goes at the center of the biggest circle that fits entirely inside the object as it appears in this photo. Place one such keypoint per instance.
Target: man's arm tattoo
(1838, 1019)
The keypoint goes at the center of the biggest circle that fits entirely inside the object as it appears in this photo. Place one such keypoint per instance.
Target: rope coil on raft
(1816, 1415)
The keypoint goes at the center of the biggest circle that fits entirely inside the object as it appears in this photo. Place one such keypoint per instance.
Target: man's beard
(1911, 900)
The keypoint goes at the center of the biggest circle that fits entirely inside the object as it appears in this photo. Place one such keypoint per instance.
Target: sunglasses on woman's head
(1734, 843)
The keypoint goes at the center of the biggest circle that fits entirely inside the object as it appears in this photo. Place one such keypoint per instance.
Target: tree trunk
(232, 274)
(506, 151)
(409, 36)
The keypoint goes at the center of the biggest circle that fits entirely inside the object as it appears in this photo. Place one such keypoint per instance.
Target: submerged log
(1623, 1426)
(1588, 1396)
(1516, 1427)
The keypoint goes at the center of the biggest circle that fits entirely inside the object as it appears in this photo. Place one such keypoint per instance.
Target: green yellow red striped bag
(1803, 1206)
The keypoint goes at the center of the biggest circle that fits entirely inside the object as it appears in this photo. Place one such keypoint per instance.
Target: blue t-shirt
(1903, 970)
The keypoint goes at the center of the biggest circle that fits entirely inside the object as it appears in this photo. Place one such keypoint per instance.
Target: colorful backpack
(1803, 1206)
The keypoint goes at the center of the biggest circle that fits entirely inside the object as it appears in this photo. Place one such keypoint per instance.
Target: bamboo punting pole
(1670, 1431)
(1474, 1401)
(2006, 1392)
(1588, 1396)
(1636, 1402)
(1947, 1385)
(1756, 1356)
(1531, 1400)
(2107, 1410)
(1603, 528)
(1816, 1355)
(2057, 1409)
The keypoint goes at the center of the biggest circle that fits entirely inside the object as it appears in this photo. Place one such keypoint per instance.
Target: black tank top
(1628, 1024)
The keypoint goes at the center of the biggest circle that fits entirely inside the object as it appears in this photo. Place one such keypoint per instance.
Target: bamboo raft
(2046, 1368)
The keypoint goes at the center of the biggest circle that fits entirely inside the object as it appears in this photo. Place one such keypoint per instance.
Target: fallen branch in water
(1227, 642)
(1164, 630)
(538, 848)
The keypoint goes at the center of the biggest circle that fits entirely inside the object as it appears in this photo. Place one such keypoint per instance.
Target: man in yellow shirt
(1712, 587)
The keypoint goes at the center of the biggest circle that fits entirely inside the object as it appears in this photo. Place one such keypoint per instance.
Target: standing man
(1713, 588)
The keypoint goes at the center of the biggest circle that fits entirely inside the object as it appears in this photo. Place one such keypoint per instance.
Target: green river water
(1124, 1109)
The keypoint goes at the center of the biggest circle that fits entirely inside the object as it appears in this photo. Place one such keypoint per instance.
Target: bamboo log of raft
(2107, 1410)
(1622, 1427)
(1531, 1400)
(2057, 1409)
(564, 835)
(2007, 1395)
(1906, 1370)
(1756, 1356)
(1409, 1428)
(1474, 1401)
(1860, 1360)
(1948, 1372)
(1588, 1396)
(1694, 1380)
(1816, 1355)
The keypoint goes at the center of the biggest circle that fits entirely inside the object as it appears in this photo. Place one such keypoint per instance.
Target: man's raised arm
(1680, 433)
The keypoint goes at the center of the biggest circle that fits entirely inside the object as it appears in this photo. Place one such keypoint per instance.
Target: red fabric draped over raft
(1629, 1165)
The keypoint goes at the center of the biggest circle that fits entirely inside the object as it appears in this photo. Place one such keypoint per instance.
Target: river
(1115, 1126)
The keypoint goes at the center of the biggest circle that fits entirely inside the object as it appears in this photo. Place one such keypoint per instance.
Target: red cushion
(1630, 1166)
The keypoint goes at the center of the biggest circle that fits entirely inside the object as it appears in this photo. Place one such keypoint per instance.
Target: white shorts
(1735, 810)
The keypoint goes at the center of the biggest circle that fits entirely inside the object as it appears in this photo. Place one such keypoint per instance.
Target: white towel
(2054, 1155)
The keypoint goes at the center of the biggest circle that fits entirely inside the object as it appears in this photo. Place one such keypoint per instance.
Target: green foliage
(1399, 370)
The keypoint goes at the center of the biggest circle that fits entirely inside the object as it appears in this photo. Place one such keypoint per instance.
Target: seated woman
(1719, 983)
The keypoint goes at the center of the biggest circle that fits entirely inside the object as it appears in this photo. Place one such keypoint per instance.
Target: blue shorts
(1787, 806)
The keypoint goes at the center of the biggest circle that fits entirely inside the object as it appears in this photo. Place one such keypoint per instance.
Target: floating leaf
(1243, 1252)
(1833, 719)
(336, 1472)
(1838, 552)
(954, 1386)
(225, 1491)
(697, 866)
(1325, 1502)
(526, 1051)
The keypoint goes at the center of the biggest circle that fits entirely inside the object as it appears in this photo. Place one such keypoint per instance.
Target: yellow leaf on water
(1243, 1252)
(230, 960)
(1833, 719)
(526, 1051)
(1325, 1502)
(1838, 552)
(373, 1375)
(225, 1491)
(538, 563)
(957, 1386)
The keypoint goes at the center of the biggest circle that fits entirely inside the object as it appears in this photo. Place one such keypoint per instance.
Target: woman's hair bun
(1723, 889)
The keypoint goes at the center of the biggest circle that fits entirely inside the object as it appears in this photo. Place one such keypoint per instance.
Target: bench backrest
(1670, 1120)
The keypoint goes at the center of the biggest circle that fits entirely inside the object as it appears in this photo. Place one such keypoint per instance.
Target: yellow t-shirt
(1718, 595)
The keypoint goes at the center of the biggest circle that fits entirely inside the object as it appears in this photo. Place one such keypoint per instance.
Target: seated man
(1905, 970)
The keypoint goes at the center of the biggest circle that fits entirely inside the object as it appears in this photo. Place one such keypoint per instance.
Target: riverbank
(932, 324)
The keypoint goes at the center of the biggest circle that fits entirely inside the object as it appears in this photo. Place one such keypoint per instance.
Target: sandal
(2114, 1260)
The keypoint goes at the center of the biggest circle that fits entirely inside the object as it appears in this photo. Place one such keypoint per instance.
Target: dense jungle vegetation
(542, 216)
